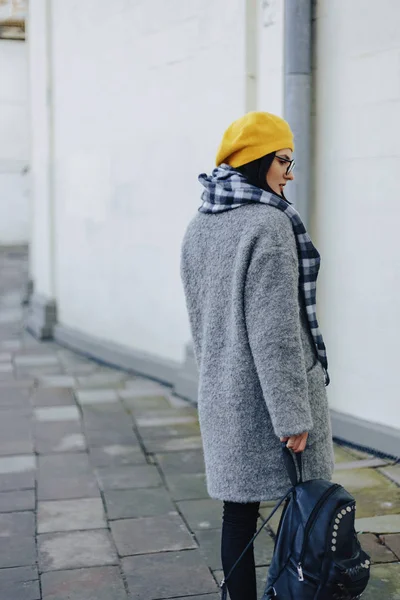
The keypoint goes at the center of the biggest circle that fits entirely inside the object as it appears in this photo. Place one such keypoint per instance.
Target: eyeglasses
(291, 164)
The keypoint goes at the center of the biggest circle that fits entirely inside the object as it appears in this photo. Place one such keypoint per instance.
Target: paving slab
(379, 524)
(173, 445)
(27, 590)
(36, 373)
(188, 486)
(360, 454)
(202, 597)
(392, 542)
(77, 370)
(70, 442)
(375, 547)
(16, 420)
(53, 396)
(210, 548)
(375, 501)
(19, 500)
(17, 551)
(6, 367)
(75, 549)
(95, 583)
(8, 376)
(12, 345)
(17, 481)
(35, 360)
(99, 416)
(127, 477)
(116, 454)
(188, 410)
(143, 403)
(48, 414)
(59, 437)
(66, 464)
(172, 579)
(104, 420)
(384, 583)
(16, 413)
(14, 443)
(393, 472)
(17, 464)
(17, 574)
(261, 578)
(10, 315)
(57, 381)
(13, 397)
(202, 514)
(62, 487)
(66, 476)
(112, 435)
(125, 504)
(361, 464)
(178, 430)
(151, 534)
(142, 386)
(68, 515)
(358, 479)
(96, 396)
(191, 461)
(100, 380)
(17, 524)
(343, 454)
(147, 420)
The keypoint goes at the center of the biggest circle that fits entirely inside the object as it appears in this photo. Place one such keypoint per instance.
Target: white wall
(358, 209)
(140, 101)
(138, 106)
(14, 147)
(270, 73)
(42, 248)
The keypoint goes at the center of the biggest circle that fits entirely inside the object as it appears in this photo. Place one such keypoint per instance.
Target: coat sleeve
(272, 316)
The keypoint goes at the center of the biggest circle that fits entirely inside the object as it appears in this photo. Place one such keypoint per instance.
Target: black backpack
(317, 555)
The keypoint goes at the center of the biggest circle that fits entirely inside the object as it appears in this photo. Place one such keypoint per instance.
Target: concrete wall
(270, 74)
(42, 248)
(357, 203)
(127, 116)
(150, 88)
(14, 143)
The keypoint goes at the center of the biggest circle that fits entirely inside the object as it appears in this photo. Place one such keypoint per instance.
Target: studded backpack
(317, 554)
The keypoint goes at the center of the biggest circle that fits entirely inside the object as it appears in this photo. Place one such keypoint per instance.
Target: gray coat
(259, 377)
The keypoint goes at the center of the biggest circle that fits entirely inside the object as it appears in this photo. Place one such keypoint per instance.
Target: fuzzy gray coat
(259, 377)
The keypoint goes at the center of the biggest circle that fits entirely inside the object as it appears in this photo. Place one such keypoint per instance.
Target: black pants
(238, 527)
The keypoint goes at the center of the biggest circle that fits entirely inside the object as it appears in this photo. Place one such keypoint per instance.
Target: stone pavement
(102, 489)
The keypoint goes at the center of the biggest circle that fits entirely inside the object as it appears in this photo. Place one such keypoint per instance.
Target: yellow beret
(252, 136)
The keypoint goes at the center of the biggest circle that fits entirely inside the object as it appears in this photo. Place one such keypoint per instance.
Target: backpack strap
(290, 464)
(222, 585)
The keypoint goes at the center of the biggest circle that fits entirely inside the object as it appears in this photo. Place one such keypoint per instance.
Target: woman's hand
(296, 442)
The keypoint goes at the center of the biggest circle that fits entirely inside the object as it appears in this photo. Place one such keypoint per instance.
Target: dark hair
(256, 172)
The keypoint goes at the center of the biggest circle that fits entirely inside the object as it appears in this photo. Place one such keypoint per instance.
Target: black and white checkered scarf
(226, 189)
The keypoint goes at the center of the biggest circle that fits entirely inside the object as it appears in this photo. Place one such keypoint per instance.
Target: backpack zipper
(309, 524)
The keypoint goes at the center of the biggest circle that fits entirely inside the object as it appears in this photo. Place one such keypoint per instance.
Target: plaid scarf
(226, 189)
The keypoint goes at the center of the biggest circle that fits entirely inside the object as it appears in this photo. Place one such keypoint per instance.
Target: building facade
(14, 126)
(126, 117)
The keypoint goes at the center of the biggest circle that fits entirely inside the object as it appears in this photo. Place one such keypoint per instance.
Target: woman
(249, 271)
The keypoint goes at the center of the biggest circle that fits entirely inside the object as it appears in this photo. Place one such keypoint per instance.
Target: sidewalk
(102, 490)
